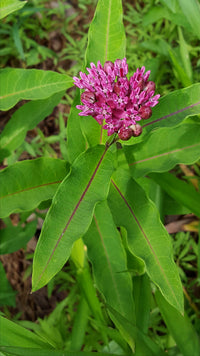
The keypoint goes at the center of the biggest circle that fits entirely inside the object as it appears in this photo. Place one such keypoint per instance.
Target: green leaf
(24, 185)
(71, 212)
(180, 327)
(23, 351)
(108, 258)
(24, 119)
(106, 37)
(164, 148)
(7, 294)
(173, 108)
(76, 142)
(147, 238)
(30, 84)
(181, 191)
(13, 238)
(191, 10)
(9, 6)
(15, 335)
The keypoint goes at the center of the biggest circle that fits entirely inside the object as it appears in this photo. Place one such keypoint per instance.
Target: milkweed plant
(106, 212)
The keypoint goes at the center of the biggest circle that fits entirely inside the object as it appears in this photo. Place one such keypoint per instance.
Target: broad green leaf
(173, 108)
(13, 238)
(180, 327)
(14, 335)
(108, 259)
(25, 184)
(181, 191)
(7, 294)
(24, 119)
(30, 84)
(191, 10)
(106, 41)
(164, 148)
(23, 351)
(147, 237)
(71, 212)
(9, 6)
(106, 37)
(76, 142)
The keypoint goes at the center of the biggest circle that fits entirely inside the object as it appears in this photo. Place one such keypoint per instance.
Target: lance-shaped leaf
(106, 37)
(173, 108)
(164, 148)
(108, 257)
(30, 84)
(146, 236)
(9, 6)
(106, 42)
(71, 212)
(24, 119)
(25, 184)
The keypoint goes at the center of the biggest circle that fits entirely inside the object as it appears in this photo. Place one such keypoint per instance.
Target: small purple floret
(112, 99)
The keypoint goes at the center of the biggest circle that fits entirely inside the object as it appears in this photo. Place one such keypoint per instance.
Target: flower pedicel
(113, 100)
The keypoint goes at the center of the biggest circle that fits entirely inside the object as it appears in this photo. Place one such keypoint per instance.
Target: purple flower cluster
(115, 101)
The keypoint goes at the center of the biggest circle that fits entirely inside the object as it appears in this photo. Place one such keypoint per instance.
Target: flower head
(112, 99)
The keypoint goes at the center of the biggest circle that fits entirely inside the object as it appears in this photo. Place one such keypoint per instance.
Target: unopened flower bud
(116, 88)
(88, 96)
(145, 112)
(150, 86)
(125, 133)
(136, 130)
(141, 84)
(108, 65)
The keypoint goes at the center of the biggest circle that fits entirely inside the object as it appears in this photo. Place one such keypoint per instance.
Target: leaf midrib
(146, 238)
(164, 154)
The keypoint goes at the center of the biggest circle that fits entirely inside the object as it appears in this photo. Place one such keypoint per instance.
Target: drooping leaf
(13, 238)
(27, 183)
(184, 193)
(146, 236)
(14, 335)
(108, 258)
(30, 84)
(9, 6)
(7, 294)
(24, 119)
(71, 212)
(164, 148)
(180, 327)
